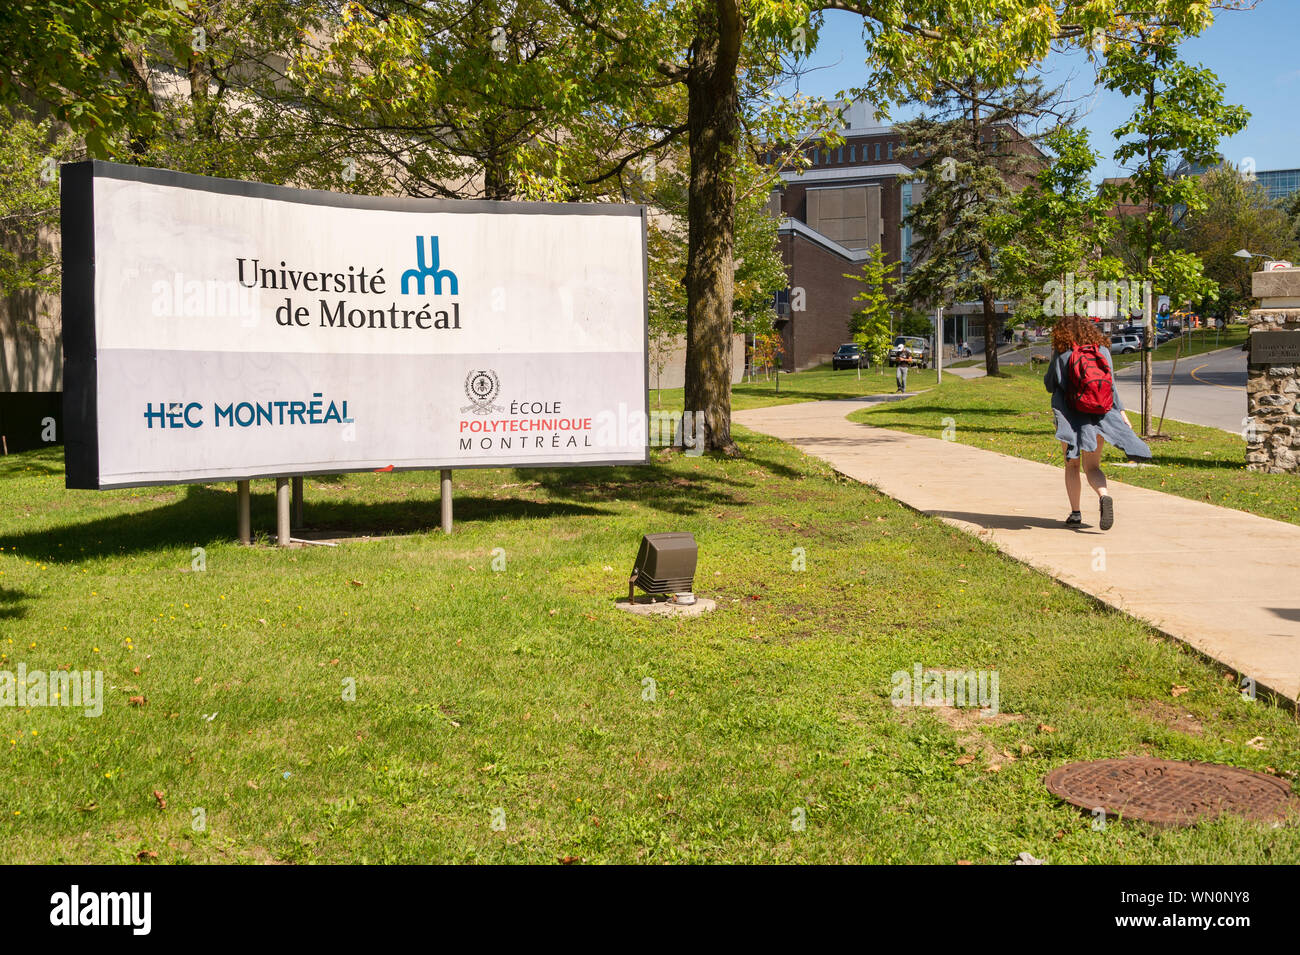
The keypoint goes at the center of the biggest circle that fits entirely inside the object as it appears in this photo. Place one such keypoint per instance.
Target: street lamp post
(938, 344)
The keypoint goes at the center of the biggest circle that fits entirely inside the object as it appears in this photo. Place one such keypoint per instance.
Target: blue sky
(1253, 52)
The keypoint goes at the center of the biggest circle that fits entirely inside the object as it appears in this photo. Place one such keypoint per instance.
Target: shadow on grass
(422, 515)
(674, 491)
(1200, 464)
(11, 607)
(41, 463)
(786, 393)
(206, 515)
(911, 407)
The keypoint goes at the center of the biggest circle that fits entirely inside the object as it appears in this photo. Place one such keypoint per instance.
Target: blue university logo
(429, 271)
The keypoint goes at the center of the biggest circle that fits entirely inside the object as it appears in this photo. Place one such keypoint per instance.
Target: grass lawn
(819, 384)
(1013, 415)
(524, 690)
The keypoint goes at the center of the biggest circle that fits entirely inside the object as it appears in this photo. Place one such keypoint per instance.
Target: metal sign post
(446, 501)
(245, 520)
(938, 350)
(282, 507)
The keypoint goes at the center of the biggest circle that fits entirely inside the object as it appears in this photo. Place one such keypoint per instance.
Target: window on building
(839, 154)
(877, 152)
(853, 154)
(813, 157)
(891, 150)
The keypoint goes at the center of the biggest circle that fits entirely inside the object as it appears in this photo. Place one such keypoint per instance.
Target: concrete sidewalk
(1223, 581)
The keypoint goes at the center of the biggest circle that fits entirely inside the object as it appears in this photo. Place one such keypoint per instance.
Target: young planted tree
(871, 324)
(768, 349)
(1057, 226)
(1179, 118)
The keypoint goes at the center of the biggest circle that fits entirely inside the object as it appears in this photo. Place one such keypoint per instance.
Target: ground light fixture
(665, 564)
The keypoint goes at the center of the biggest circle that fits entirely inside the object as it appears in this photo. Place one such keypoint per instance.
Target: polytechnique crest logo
(481, 388)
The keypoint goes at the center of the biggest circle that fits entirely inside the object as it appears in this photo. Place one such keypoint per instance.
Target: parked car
(1125, 344)
(849, 356)
(1165, 335)
(914, 346)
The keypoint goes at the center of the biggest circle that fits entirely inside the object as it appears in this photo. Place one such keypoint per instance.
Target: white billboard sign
(221, 330)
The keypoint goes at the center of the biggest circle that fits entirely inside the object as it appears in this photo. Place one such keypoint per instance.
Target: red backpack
(1091, 390)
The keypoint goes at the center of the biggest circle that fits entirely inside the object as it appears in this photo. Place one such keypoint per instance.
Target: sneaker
(1074, 520)
(1107, 513)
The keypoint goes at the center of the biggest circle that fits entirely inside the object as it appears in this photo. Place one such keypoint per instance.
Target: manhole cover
(1170, 792)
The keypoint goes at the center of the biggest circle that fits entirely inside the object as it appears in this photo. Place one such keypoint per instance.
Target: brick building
(833, 212)
(851, 198)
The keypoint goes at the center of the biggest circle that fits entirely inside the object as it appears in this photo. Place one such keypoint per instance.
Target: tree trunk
(984, 251)
(1150, 245)
(990, 334)
(1147, 342)
(713, 119)
(135, 68)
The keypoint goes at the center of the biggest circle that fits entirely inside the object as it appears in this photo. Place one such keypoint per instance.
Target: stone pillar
(1273, 381)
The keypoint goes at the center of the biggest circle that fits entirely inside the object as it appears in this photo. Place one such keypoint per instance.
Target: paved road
(1237, 603)
(1208, 389)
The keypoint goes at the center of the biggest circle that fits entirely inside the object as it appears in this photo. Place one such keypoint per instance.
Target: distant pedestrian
(901, 364)
(965, 350)
(1081, 378)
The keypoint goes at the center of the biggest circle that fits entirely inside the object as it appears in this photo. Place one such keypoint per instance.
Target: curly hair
(1073, 330)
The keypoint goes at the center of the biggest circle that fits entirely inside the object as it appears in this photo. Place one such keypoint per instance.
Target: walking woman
(1081, 378)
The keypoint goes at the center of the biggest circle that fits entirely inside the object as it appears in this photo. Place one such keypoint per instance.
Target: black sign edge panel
(77, 225)
(80, 373)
